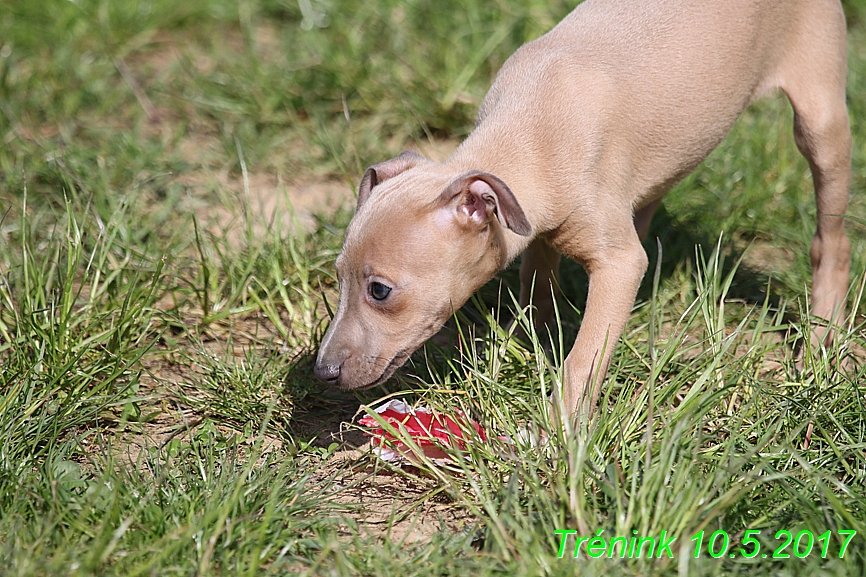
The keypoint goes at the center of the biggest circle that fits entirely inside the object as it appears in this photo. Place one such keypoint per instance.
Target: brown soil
(392, 505)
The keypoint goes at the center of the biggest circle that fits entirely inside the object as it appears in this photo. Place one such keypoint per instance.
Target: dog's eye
(379, 291)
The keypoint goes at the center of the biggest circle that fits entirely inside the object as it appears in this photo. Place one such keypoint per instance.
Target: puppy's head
(421, 242)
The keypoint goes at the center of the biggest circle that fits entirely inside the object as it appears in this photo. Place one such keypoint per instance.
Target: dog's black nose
(328, 373)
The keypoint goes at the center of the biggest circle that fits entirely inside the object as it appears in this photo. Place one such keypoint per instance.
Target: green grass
(158, 415)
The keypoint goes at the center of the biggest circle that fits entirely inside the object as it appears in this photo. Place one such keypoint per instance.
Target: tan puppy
(578, 140)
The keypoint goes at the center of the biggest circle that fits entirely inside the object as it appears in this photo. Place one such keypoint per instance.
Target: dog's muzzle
(327, 372)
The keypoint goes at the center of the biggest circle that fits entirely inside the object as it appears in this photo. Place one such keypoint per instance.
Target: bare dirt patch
(398, 506)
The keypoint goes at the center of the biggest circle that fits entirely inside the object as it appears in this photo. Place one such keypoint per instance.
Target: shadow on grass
(322, 414)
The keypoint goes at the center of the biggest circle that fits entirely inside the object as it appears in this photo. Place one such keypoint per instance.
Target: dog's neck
(483, 150)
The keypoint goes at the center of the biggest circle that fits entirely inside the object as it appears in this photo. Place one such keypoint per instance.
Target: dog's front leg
(614, 278)
(539, 282)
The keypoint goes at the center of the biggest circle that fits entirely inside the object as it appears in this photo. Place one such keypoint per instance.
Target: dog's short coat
(583, 132)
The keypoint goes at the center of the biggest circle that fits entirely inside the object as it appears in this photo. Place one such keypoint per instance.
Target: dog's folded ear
(477, 196)
(379, 173)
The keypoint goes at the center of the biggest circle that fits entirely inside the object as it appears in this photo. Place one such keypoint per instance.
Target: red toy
(430, 431)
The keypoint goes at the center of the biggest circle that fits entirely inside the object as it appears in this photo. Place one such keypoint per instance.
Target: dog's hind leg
(813, 77)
